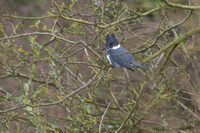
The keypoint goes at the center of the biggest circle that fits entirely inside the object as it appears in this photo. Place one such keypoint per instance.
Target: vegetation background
(54, 79)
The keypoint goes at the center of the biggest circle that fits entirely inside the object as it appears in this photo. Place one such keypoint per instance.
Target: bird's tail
(138, 65)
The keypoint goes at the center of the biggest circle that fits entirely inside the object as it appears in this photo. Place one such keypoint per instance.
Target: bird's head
(111, 42)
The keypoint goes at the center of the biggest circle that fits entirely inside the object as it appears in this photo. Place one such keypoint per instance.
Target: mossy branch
(182, 6)
(173, 43)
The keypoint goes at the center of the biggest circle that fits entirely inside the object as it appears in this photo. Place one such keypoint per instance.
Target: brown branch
(104, 116)
(166, 30)
(39, 33)
(53, 103)
(133, 107)
(28, 18)
(182, 6)
(175, 42)
(73, 93)
(190, 111)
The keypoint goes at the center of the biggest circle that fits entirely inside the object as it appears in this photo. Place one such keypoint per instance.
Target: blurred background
(53, 78)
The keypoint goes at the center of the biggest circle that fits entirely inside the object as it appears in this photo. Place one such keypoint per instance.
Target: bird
(117, 55)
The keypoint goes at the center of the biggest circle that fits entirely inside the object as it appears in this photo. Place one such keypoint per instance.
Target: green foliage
(53, 78)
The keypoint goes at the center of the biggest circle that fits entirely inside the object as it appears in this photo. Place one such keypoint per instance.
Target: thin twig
(193, 114)
(39, 33)
(175, 42)
(166, 30)
(103, 116)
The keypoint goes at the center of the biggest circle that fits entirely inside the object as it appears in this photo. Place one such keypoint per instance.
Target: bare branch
(182, 6)
(102, 117)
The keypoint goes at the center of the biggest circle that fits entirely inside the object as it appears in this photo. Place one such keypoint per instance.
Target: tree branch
(175, 42)
(182, 6)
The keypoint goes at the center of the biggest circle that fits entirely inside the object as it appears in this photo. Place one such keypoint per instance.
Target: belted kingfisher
(117, 55)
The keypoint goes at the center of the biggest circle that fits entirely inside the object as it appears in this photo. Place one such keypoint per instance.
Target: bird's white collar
(116, 47)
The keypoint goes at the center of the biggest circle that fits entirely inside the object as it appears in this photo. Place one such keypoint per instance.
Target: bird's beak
(103, 48)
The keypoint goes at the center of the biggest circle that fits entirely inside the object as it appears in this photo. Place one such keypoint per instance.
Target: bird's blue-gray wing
(122, 58)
